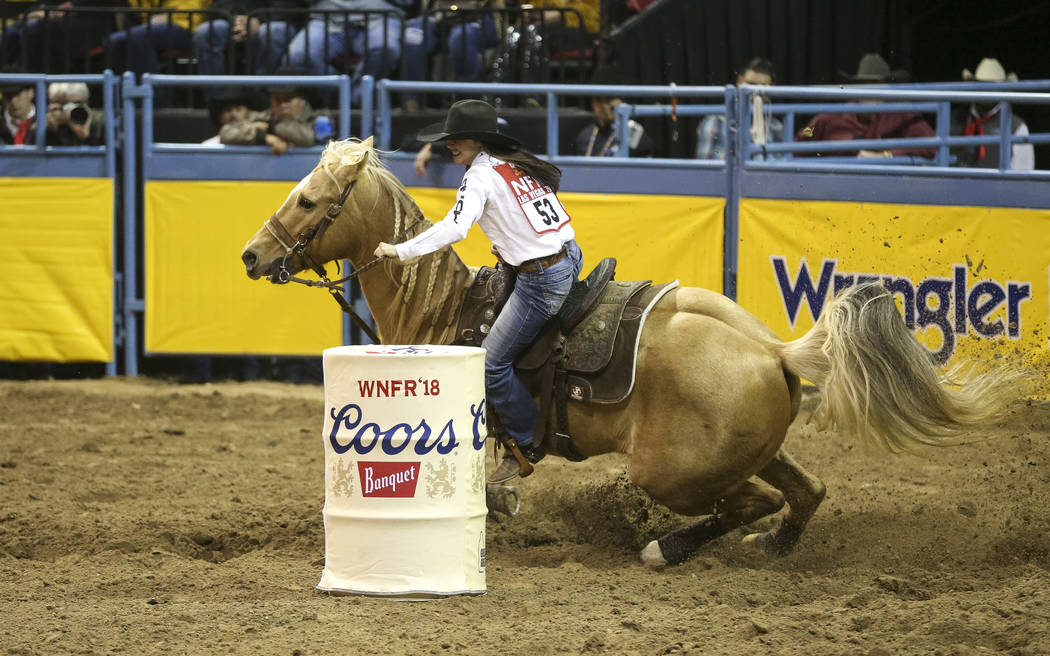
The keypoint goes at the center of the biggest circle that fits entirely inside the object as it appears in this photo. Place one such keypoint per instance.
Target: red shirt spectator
(872, 69)
(840, 127)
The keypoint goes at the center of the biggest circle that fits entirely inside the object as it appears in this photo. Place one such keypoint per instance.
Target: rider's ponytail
(540, 170)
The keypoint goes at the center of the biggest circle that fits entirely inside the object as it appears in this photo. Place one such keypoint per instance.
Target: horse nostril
(249, 260)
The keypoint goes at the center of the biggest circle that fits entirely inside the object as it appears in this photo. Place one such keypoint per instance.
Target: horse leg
(744, 504)
(803, 493)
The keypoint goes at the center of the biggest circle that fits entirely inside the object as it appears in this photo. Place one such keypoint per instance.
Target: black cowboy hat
(873, 69)
(309, 93)
(248, 97)
(468, 119)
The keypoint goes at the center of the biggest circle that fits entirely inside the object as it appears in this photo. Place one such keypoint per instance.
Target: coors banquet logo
(388, 479)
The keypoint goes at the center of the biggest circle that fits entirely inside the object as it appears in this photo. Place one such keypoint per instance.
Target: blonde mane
(353, 150)
(408, 320)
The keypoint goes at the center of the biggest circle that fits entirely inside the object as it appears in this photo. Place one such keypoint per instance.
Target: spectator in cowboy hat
(288, 122)
(19, 111)
(872, 69)
(231, 105)
(985, 119)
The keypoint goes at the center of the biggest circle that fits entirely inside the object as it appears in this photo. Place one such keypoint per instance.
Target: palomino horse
(715, 391)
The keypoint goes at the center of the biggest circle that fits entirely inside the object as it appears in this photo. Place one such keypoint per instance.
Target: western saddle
(586, 353)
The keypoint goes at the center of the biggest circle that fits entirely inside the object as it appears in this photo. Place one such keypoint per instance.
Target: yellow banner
(659, 238)
(198, 299)
(56, 269)
(970, 281)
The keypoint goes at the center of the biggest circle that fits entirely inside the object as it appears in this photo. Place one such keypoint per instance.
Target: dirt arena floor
(142, 517)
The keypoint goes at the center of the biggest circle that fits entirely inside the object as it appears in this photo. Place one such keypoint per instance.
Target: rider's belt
(538, 264)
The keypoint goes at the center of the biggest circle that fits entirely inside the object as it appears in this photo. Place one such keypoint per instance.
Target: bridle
(296, 246)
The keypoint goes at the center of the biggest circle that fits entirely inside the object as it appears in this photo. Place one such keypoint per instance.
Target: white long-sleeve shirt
(523, 219)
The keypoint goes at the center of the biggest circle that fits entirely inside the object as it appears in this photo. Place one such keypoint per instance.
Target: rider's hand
(385, 250)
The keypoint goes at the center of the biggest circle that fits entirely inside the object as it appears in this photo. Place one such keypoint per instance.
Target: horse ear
(368, 143)
(356, 159)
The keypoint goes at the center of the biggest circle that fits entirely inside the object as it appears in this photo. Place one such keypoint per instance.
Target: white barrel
(404, 441)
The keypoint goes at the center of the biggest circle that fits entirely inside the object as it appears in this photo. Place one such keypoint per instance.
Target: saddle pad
(615, 381)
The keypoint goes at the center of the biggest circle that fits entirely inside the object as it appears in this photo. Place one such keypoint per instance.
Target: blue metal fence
(740, 174)
(177, 161)
(40, 160)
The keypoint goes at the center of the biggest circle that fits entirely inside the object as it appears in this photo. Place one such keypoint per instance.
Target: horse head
(293, 238)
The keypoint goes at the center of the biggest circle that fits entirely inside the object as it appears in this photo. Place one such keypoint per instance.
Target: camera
(76, 113)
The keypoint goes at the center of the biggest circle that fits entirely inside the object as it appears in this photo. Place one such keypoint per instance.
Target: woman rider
(512, 195)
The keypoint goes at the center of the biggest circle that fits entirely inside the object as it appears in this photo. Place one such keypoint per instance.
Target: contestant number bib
(540, 204)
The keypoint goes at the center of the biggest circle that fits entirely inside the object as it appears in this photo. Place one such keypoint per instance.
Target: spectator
(712, 136)
(599, 138)
(288, 122)
(463, 34)
(269, 37)
(136, 48)
(375, 38)
(872, 69)
(19, 112)
(70, 121)
(50, 39)
(982, 119)
(235, 104)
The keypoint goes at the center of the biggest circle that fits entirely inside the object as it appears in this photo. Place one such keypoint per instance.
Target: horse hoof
(503, 499)
(653, 555)
(768, 542)
(761, 541)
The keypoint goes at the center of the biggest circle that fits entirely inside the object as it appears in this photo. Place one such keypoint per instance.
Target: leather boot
(517, 461)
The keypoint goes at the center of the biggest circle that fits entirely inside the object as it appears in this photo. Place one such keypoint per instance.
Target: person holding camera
(70, 121)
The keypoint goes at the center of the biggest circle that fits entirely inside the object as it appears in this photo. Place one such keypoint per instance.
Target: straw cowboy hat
(873, 68)
(989, 70)
(468, 119)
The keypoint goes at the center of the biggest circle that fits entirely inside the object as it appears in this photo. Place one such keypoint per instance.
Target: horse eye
(306, 204)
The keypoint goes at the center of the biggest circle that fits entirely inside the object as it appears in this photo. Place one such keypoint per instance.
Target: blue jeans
(211, 40)
(136, 49)
(378, 45)
(536, 298)
(11, 43)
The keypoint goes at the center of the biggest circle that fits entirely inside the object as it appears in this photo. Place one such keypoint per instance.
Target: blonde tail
(878, 382)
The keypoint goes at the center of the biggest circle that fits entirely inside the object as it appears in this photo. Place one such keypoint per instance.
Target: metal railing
(551, 93)
(741, 173)
(68, 39)
(105, 81)
(41, 160)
